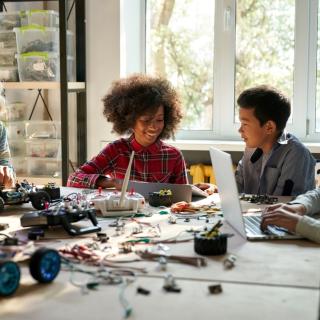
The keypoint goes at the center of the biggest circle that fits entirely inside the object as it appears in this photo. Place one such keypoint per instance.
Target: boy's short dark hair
(268, 104)
(141, 94)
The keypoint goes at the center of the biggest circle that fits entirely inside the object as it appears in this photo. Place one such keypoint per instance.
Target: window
(213, 50)
(265, 44)
(180, 47)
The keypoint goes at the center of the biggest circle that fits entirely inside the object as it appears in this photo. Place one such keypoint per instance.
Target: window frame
(224, 128)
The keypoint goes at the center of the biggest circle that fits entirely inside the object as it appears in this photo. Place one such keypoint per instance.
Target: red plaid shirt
(159, 162)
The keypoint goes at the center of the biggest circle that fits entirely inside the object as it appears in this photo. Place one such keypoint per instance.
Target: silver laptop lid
(228, 191)
(180, 192)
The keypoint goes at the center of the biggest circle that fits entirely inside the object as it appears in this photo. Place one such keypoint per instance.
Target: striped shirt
(158, 162)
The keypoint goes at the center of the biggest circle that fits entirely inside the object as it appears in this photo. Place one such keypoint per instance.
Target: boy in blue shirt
(274, 162)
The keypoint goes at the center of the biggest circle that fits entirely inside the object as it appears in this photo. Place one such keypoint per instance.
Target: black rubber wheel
(1, 204)
(45, 265)
(9, 278)
(39, 199)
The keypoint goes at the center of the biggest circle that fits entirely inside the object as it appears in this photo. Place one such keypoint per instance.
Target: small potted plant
(161, 198)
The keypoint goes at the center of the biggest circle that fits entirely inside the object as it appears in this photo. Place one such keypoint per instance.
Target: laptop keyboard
(252, 224)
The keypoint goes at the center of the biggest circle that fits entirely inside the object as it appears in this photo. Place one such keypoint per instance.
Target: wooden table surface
(271, 279)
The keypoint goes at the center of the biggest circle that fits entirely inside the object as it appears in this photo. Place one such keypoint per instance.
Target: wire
(123, 301)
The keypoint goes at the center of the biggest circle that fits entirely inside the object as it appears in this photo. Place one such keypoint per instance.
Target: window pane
(265, 45)
(179, 46)
(318, 76)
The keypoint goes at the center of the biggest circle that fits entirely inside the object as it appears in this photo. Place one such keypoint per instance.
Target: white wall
(103, 66)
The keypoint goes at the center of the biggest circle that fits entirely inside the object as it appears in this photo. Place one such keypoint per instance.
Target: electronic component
(259, 198)
(113, 204)
(23, 193)
(229, 262)
(170, 284)
(65, 214)
(215, 288)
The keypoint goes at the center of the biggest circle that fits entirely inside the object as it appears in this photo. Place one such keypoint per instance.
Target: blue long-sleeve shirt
(289, 169)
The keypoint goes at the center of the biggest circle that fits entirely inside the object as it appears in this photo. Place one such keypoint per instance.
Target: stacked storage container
(38, 47)
(8, 66)
(36, 145)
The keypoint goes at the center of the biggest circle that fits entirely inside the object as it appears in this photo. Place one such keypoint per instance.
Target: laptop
(180, 192)
(247, 226)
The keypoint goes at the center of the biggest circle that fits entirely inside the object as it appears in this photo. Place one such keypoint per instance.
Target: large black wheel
(1, 204)
(9, 278)
(45, 265)
(39, 199)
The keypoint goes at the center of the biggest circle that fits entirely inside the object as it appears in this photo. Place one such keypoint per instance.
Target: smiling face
(148, 127)
(254, 134)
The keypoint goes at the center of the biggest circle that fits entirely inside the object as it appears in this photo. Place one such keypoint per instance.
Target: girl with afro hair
(144, 110)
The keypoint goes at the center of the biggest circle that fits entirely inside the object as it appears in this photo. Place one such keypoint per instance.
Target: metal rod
(64, 91)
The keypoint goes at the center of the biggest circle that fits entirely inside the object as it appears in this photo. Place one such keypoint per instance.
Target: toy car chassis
(25, 192)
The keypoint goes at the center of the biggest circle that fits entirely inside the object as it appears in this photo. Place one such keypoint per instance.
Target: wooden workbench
(271, 279)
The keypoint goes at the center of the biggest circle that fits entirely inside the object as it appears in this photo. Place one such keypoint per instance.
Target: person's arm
(281, 215)
(309, 228)
(7, 174)
(310, 200)
(286, 217)
(297, 173)
(92, 172)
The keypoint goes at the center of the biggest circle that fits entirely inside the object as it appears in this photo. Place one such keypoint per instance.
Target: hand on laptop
(108, 182)
(282, 215)
(207, 187)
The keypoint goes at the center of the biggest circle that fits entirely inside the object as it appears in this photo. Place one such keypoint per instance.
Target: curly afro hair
(139, 95)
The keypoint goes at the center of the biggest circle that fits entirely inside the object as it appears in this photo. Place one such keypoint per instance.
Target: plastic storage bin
(43, 148)
(7, 57)
(17, 147)
(9, 73)
(20, 165)
(16, 130)
(43, 129)
(16, 111)
(33, 38)
(42, 66)
(7, 39)
(46, 18)
(9, 20)
(36, 38)
(44, 167)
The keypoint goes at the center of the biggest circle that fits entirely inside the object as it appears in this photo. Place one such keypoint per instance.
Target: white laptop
(247, 226)
(180, 192)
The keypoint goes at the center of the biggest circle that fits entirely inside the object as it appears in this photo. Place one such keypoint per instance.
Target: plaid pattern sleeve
(87, 175)
(157, 163)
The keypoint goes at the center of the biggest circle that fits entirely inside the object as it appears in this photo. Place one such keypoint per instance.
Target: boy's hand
(207, 187)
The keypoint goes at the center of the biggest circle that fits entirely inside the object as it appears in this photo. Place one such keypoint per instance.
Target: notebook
(247, 226)
(180, 192)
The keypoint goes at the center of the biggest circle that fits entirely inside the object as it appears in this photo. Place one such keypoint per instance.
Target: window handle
(227, 18)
